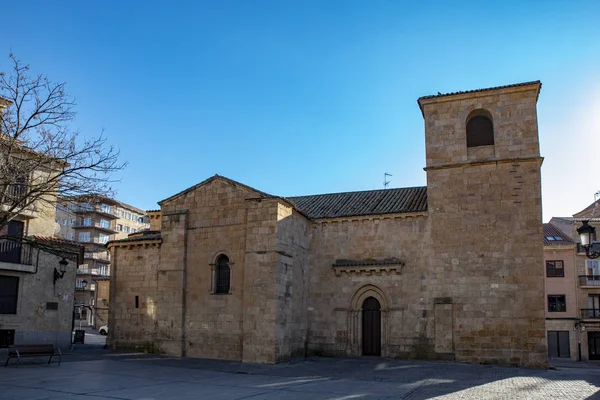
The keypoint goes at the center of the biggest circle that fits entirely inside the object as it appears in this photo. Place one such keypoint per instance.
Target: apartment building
(561, 294)
(93, 222)
(587, 321)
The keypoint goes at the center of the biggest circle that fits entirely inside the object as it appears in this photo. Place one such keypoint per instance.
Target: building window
(555, 269)
(480, 129)
(593, 267)
(9, 293)
(84, 236)
(133, 230)
(7, 337)
(127, 215)
(106, 208)
(70, 236)
(222, 275)
(120, 227)
(104, 223)
(103, 238)
(72, 221)
(87, 221)
(64, 222)
(557, 303)
(133, 217)
(121, 213)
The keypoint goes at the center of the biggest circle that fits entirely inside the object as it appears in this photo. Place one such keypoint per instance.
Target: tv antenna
(385, 180)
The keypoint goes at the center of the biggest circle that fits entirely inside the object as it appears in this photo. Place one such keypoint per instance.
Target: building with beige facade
(93, 222)
(561, 294)
(449, 271)
(37, 271)
(587, 323)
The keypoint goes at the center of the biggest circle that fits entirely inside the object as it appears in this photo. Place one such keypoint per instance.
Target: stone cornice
(475, 163)
(368, 267)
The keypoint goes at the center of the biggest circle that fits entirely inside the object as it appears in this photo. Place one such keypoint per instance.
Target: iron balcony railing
(587, 313)
(92, 271)
(16, 252)
(589, 280)
(103, 256)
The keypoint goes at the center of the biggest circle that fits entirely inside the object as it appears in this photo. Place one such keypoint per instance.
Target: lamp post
(587, 233)
(60, 273)
(587, 236)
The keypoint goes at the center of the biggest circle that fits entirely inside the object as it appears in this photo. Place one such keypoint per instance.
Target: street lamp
(587, 233)
(60, 273)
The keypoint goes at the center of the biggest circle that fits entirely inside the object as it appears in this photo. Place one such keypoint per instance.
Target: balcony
(100, 257)
(97, 210)
(589, 281)
(91, 287)
(95, 225)
(101, 272)
(590, 313)
(14, 251)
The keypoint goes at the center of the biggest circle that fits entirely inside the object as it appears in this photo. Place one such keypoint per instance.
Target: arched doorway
(371, 327)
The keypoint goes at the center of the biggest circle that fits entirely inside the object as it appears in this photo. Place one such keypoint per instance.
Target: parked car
(103, 330)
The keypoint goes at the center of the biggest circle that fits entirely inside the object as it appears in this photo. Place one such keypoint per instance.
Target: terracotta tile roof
(592, 209)
(370, 202)
(56, 241)
(555, 237)
(480, 90)
(138, 237)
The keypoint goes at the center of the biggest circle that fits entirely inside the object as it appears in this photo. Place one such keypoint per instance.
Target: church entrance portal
(371, 327)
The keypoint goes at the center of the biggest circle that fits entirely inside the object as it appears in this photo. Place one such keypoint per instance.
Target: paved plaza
(96, 374)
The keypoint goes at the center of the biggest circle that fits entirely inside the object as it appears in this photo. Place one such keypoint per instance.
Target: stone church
(450, 271)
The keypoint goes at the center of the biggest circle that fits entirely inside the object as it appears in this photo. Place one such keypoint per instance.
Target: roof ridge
(212, 178)
(480, 90)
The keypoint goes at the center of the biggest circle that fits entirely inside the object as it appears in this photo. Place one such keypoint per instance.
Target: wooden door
(371, 327)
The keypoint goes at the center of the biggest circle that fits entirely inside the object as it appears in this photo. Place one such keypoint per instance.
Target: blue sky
(306, 97)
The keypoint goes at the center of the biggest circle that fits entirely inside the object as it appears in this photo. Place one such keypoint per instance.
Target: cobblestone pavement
(99, 374)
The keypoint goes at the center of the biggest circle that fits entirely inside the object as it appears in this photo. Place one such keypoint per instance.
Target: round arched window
(480, 129)
(222, 277)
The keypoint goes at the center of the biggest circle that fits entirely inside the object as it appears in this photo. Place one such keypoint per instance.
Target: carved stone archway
(355, 318)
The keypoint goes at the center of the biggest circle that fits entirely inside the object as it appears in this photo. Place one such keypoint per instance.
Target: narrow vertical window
(137, 301)
(222, 275)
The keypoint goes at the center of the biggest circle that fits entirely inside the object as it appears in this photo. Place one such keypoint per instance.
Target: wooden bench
(33, 350)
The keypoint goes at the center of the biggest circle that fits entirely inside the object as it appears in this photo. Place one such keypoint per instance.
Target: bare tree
(41, 157)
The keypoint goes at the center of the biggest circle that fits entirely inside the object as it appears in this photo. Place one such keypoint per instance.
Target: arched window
(222, 275)
(480, 129)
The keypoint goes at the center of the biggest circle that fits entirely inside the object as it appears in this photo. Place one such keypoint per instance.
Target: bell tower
(484, 203)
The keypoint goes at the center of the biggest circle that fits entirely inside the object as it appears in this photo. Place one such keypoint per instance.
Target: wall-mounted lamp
(63, 268)
(579, 325)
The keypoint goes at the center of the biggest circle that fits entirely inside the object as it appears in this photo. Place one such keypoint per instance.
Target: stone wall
(335, 302)
(101, 302)
(135, 270)
(36, 322)
(486, 248)
(291, 283)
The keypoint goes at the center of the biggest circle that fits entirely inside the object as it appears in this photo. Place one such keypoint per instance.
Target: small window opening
(137, 301)
(480, 129)
(222, 275)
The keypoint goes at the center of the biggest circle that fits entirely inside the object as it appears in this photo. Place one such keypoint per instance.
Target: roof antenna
(386, 183)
